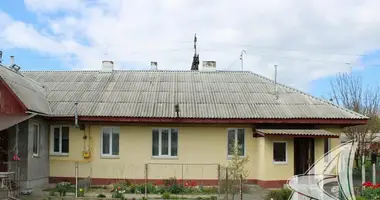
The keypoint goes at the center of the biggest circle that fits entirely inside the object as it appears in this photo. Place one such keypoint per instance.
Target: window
(110, 141)
(165, 142)
(60, 140)
(236, 139)
(36, 139)
(279, 152)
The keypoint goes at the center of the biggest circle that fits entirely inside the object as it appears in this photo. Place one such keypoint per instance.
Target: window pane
(155, 140)
(174, 142)
(240, 138)
(231, 142)
(65, 139)
(35, 138)
(106, 141)
(56, 140)
(115, 143)
(165, 142)
(279, 152)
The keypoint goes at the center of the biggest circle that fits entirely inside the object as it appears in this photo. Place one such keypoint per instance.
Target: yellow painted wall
(203, 145)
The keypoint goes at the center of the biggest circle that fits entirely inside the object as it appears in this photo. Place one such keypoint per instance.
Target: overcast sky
(308, 40)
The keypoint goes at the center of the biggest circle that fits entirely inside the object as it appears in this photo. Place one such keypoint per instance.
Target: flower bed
(171, 186)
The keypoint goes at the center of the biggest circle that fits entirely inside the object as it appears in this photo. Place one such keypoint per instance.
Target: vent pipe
(153, 65)
(76, 114)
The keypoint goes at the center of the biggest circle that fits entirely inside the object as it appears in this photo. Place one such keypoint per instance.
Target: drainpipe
(76, 114)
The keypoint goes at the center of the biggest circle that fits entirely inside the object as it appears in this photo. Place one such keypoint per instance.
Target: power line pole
(241, 59)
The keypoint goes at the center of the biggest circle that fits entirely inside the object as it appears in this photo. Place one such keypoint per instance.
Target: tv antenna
(241, 59)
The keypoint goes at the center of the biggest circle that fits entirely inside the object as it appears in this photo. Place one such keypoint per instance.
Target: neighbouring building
(115, 124)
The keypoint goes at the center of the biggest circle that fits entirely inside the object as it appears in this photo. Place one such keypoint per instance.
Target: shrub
(140, 189)
(166, 195)
(63, 188)
(282, 194)
(371, 191)
(52, 193)
(122, 184)
(150, 187)
(118, 195)
(144, 198)
(360, 198)
(101, 196)
(213, 197)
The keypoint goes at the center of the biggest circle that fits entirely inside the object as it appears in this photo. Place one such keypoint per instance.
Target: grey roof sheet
(220, 94)
(311, 132)
(30, 93)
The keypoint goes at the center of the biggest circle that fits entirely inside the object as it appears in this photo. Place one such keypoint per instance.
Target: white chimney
(209, 66)
(107, 66)
(153, 65)
(12, 60)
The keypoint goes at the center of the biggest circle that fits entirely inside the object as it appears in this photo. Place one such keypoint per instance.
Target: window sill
(109, 157)
(280, 163)
(35, 156)
(230, 157)
(165, 157)
(59, 154)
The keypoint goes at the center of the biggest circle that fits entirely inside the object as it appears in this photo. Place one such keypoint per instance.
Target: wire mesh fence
(182, 178)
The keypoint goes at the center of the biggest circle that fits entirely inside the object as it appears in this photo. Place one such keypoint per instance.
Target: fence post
(226, 183)
(76, 179)
(374, 173)
(363, 170)
(146, 180)
(241, 187)
(219, 190)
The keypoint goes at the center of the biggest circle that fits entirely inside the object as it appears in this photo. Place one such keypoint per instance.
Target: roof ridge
(136, 70)
(309, 95)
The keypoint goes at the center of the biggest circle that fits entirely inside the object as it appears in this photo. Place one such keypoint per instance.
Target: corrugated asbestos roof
(303, 132)
(220, 94)
(30, 93)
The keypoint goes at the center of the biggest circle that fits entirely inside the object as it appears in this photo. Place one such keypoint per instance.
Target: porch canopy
(297, 132)
(7, 121)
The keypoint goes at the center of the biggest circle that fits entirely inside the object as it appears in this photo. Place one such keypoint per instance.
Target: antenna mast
(241, 59)
(195, 64)
(275, 82)
(1, 56)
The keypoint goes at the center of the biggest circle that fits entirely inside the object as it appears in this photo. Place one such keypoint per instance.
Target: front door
(3, 151)
(303, 154)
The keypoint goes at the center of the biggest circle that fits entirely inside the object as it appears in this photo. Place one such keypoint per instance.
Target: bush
(166, 195)
(122, 184)
(282, 194)
(360, 198)
(52, 193)
(101, 196)
(63, 188)
(213, 197)
(118, 195)
(150, 187)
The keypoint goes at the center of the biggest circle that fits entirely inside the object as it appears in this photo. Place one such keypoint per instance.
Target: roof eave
(347, 122)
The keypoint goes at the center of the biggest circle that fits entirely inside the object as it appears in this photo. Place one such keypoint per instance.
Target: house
(153, 124)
